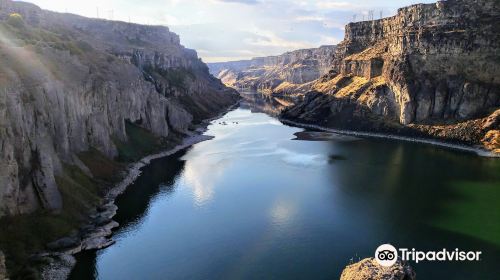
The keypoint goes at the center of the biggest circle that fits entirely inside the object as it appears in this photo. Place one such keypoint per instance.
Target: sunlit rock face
(270, 74)
(432, 67)
(68, 84)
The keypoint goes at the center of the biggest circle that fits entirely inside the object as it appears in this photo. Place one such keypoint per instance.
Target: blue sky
(224, 30)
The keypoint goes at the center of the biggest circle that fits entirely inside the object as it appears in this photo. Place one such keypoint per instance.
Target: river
(263, 200)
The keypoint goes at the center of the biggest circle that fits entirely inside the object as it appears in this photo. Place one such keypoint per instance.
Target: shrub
(16, 20)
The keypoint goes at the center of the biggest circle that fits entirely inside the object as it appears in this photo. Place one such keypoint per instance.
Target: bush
(16, 20)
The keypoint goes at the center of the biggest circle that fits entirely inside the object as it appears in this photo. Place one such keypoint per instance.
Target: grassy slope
(24, 235)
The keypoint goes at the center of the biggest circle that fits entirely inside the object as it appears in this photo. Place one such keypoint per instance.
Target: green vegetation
(21, 236)
(16, 20)
(101, 167)
(17, 31)
(80, 192)
(175, 77)
(140, 142)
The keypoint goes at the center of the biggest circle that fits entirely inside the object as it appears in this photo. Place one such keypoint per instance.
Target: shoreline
(477, 150)
(98, 233)
(435, 142)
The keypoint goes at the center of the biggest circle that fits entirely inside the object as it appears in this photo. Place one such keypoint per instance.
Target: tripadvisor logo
(387, 255)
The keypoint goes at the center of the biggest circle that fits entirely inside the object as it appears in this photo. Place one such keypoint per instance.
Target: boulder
(97, 243)
(369, 269)
(64, 243)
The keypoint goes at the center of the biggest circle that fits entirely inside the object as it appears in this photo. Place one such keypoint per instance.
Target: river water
(264, 200)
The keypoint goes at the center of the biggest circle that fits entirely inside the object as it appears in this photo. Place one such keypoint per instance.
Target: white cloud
(238, 29)
(336, 5)
(270, 39)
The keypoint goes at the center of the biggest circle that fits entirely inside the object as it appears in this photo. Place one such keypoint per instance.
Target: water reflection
(283, 211)
(262, 103)
(253, 203)
(323, 136)
(403, 193)
(202, 173)
(156, 180)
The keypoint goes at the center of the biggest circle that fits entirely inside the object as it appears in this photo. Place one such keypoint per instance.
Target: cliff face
(432, 68)
(69, 84)
(276, 73)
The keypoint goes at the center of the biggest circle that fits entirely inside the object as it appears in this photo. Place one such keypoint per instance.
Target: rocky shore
(80, 99)
(97, 234)
(479, 150)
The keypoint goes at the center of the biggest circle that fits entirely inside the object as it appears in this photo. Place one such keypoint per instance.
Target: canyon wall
(432, 69)
(266, 74)
(69, 84)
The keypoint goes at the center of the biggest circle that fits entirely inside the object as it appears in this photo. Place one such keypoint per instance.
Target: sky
(227, 30)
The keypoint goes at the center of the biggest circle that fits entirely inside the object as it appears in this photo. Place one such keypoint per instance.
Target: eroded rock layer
(432, 69)
(70, 84)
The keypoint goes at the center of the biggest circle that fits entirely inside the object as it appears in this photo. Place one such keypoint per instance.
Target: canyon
(81, 98)
(69, 84)
(86, 103)
(429, 71)
(270, 74)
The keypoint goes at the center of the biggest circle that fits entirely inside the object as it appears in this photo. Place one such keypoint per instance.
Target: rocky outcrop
(369, 269)
(276, 73)
(430, 67)
(69, 84)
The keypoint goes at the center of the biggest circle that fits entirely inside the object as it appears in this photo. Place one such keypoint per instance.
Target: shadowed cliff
(79, 99)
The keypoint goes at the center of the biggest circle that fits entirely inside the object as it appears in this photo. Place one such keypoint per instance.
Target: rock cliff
(276, 73)
(69, 84)
(432, 69)
(81, 98)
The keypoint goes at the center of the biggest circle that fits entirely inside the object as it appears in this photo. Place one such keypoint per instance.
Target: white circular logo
(386, 255)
